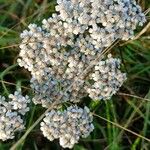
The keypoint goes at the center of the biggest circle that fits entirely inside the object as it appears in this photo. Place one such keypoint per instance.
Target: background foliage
(122, 123)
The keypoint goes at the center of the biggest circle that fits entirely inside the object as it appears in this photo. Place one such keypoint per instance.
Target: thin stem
(123, 128)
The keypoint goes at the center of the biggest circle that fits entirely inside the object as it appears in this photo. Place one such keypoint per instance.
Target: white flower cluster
(104, 20)
(58, 52)
(55, 61)
(67, 126)
(19, 102)
(11, 113)
(107, 79)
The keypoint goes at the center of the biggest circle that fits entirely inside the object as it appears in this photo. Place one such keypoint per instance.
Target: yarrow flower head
(112, 19)
(56, 61)
(106, 79)
(58, 53)
(11, 112)
(67, 126)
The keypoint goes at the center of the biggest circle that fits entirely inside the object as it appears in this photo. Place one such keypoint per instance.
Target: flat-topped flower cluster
(68, 126)
(12, 111)
(58, 52)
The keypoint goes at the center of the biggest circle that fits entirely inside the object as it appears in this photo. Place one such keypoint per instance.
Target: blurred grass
(122, 111)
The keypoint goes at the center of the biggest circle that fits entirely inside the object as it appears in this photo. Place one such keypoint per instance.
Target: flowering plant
(57, 54)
